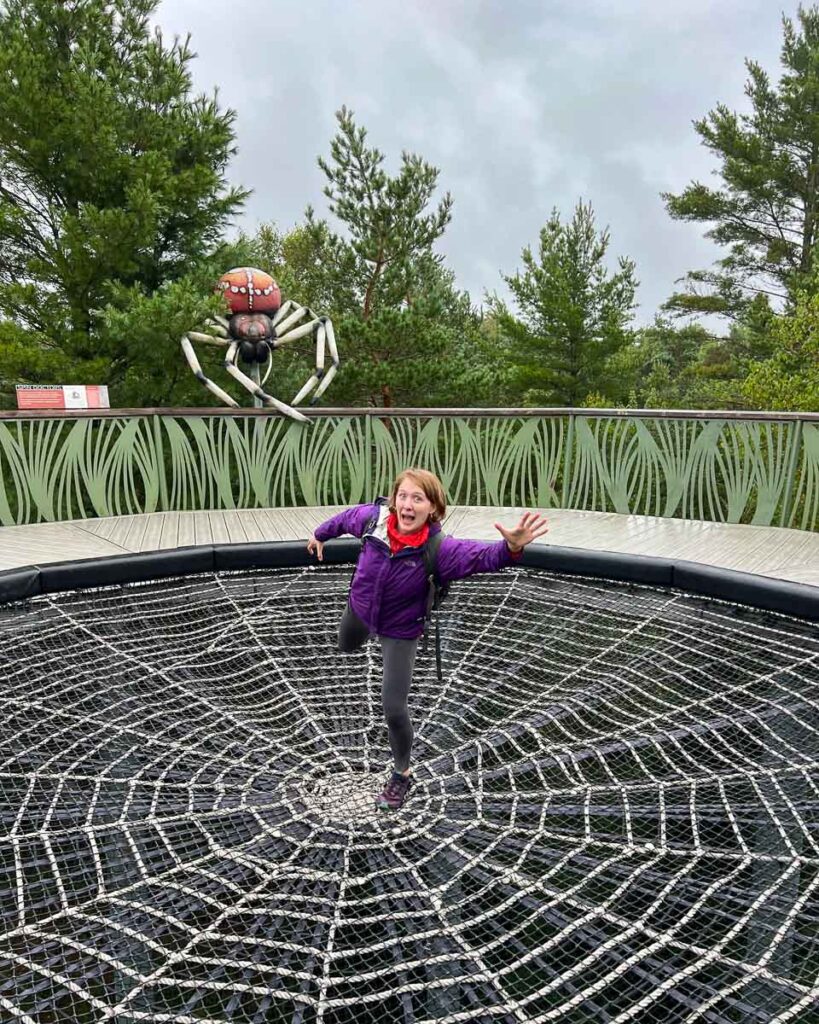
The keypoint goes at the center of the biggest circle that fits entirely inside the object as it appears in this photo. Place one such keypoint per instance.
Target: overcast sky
(524, 105)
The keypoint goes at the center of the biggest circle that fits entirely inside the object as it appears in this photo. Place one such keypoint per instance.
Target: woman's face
(412, 507)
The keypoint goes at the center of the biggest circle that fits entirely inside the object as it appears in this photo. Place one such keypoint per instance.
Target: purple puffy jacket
(389, 591)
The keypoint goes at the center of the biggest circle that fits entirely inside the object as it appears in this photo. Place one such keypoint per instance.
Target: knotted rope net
(616, 815)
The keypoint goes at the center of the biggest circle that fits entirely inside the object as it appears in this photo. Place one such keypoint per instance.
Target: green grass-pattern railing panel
(760, 471)
(257, 462)
(721, 470)
(318, 465)
(481, 461)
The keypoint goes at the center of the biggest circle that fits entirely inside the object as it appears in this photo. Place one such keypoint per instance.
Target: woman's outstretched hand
(317, 547)
(531, 526)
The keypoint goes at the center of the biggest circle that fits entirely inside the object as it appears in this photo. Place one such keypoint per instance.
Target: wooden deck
(768, 551)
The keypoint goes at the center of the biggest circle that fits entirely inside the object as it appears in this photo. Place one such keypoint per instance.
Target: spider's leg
(255, 389)
(282, 327)
(208, 339)
(284, 310)
(221, 321)
(328, 376)
(280, 337)
(194, 364)
(325, 336)
(269, 366)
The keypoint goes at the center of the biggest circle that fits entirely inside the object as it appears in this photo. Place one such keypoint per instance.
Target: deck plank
(251, 525)
(218, 527)
(292, 526)
(169, 537)
(235, 527)
(453, 520)
(201, 527)
(269, 523)
(186, 529)
(307, 519)
(138, 527)
(264, 525)
(769, 551)
(104, 527)
(150, 537)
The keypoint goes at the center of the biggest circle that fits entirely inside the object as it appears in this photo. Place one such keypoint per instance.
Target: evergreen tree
(401, 319)
(112, 179)
(765, 211)
(573, 314)
(673, 366)
(789, 377)
(657, 370)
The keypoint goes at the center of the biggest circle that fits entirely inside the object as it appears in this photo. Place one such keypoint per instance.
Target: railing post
(788, 495)
(368, 458)
(567, 463)
(160, 462)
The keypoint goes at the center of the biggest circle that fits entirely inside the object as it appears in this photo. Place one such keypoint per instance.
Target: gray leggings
(399, 660)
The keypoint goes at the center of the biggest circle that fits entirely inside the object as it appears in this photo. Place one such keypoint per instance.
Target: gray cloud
(524, 106)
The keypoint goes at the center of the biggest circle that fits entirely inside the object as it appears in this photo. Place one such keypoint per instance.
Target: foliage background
(116, 218)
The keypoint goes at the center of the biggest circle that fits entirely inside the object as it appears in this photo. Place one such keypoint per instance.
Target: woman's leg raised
(352, 633)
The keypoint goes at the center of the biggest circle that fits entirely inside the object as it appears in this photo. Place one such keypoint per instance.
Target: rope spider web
(615, 816)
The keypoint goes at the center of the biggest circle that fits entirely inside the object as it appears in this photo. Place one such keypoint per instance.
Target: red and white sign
(62, 396)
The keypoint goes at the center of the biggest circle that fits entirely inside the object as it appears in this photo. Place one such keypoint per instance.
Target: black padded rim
(797, 599)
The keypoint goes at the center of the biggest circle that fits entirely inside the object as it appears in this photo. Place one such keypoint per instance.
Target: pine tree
(403, 316)
(765, 211)
(573, 315)
(789, 377)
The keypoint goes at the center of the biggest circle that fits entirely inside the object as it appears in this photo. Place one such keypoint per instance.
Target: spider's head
(251, 327)
(248, 290)
(254, 332)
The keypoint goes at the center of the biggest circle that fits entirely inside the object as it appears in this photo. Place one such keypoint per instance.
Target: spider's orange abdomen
(248, 290)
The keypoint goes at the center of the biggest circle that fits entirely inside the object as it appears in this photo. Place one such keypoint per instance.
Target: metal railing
(760, 468)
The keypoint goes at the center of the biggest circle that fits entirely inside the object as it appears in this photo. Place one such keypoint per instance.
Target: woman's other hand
(531, 526)
(316, 547)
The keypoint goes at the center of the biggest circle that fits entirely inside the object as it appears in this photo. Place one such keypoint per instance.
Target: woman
(389, 590)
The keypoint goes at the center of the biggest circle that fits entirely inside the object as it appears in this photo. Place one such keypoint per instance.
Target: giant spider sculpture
(260, 323)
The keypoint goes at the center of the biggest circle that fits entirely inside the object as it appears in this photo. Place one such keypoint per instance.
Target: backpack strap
(435, 592)
(431, 555)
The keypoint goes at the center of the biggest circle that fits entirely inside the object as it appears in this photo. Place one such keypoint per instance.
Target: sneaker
(395, 792)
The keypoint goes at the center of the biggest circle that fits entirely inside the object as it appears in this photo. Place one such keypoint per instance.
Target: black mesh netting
(616, 815)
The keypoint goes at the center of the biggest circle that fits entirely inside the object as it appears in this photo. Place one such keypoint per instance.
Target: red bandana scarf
(405, 540)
